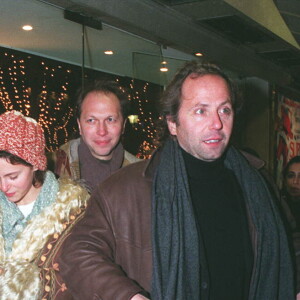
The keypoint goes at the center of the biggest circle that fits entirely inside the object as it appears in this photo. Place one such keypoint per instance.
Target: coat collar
(31, 240)
(151, 164)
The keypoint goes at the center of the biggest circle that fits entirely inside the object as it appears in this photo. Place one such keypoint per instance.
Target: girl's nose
(4, 186)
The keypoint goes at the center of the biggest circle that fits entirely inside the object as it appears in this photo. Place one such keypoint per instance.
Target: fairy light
(53, 108)
(144, 124)
(15, 93)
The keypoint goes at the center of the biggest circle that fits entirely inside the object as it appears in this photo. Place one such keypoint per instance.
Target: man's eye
(226, 110)
(90, 120)
(111, 119)
(200, 111)
(13, 177)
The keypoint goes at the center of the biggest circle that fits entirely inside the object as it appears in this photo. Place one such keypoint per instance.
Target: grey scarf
(175, 240)
(93, 170)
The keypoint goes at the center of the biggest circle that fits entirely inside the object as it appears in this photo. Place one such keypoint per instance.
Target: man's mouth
(102, 142)
(212, 141)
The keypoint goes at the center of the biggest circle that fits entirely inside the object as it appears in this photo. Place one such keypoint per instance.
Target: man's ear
(78, 123)
(124, 125)
(172, 125)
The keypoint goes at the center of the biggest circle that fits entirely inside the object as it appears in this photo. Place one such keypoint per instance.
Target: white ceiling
(176, 24)
(55, 37)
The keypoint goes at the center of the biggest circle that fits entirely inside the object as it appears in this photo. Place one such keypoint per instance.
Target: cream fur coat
(21, 276)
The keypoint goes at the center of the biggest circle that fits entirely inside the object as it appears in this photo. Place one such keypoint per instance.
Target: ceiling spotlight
(109, 52)
(27, 27)
(163, 67)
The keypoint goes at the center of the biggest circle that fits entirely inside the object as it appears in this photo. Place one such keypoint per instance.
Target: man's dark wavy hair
(171, 98)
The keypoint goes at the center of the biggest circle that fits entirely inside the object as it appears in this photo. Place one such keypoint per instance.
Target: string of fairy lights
(51, 104)
(47, 118)
(145, 123)
(16, 93)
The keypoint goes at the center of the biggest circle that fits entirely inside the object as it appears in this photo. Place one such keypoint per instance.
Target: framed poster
(287, 130)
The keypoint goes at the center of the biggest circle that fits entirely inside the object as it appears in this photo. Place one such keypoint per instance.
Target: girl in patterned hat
(36, 212)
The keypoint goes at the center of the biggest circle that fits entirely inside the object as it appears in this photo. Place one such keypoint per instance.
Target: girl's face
(16, 182)
(292, 180)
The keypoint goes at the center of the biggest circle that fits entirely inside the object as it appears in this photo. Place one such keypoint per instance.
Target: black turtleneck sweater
(225, 246)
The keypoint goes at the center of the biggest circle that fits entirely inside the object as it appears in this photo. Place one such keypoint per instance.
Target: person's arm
(87, 262)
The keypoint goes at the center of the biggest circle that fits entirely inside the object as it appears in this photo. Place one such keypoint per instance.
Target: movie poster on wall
(287, 133)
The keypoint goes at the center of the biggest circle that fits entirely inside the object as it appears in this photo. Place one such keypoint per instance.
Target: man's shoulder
(129, 158)
(70, 149)
(253, 160)
(71, 144)
(124, 188)
(129, 174)
(134, 168)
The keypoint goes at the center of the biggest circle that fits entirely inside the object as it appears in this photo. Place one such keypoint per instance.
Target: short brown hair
(107, 87)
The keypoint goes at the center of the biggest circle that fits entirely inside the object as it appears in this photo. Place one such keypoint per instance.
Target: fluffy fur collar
(20, 276)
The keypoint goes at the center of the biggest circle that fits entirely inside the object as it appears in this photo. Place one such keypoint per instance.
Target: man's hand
(139, 297)
(298, 296)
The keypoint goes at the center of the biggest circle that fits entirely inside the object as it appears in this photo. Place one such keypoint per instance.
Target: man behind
(102, 108)
(196, 221)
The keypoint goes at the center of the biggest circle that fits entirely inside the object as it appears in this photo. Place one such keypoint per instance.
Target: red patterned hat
(24, 137)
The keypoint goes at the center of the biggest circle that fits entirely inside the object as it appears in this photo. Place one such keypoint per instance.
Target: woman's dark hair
(294, 160)
(107, 87)
(171, 98)
(38, 175)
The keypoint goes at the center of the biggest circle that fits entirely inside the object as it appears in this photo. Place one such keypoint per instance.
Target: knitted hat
(23, 137)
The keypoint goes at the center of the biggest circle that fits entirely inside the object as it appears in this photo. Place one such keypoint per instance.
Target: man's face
(292, 180)
(101, 123)
(205, 117)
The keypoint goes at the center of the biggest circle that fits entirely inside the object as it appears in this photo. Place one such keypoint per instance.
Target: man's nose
(102, 128)
(216, 122)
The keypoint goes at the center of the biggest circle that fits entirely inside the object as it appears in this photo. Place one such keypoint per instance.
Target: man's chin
(103, 155)
(216, 155)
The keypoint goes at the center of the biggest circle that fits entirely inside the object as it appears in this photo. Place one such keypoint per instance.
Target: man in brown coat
(194, 222)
